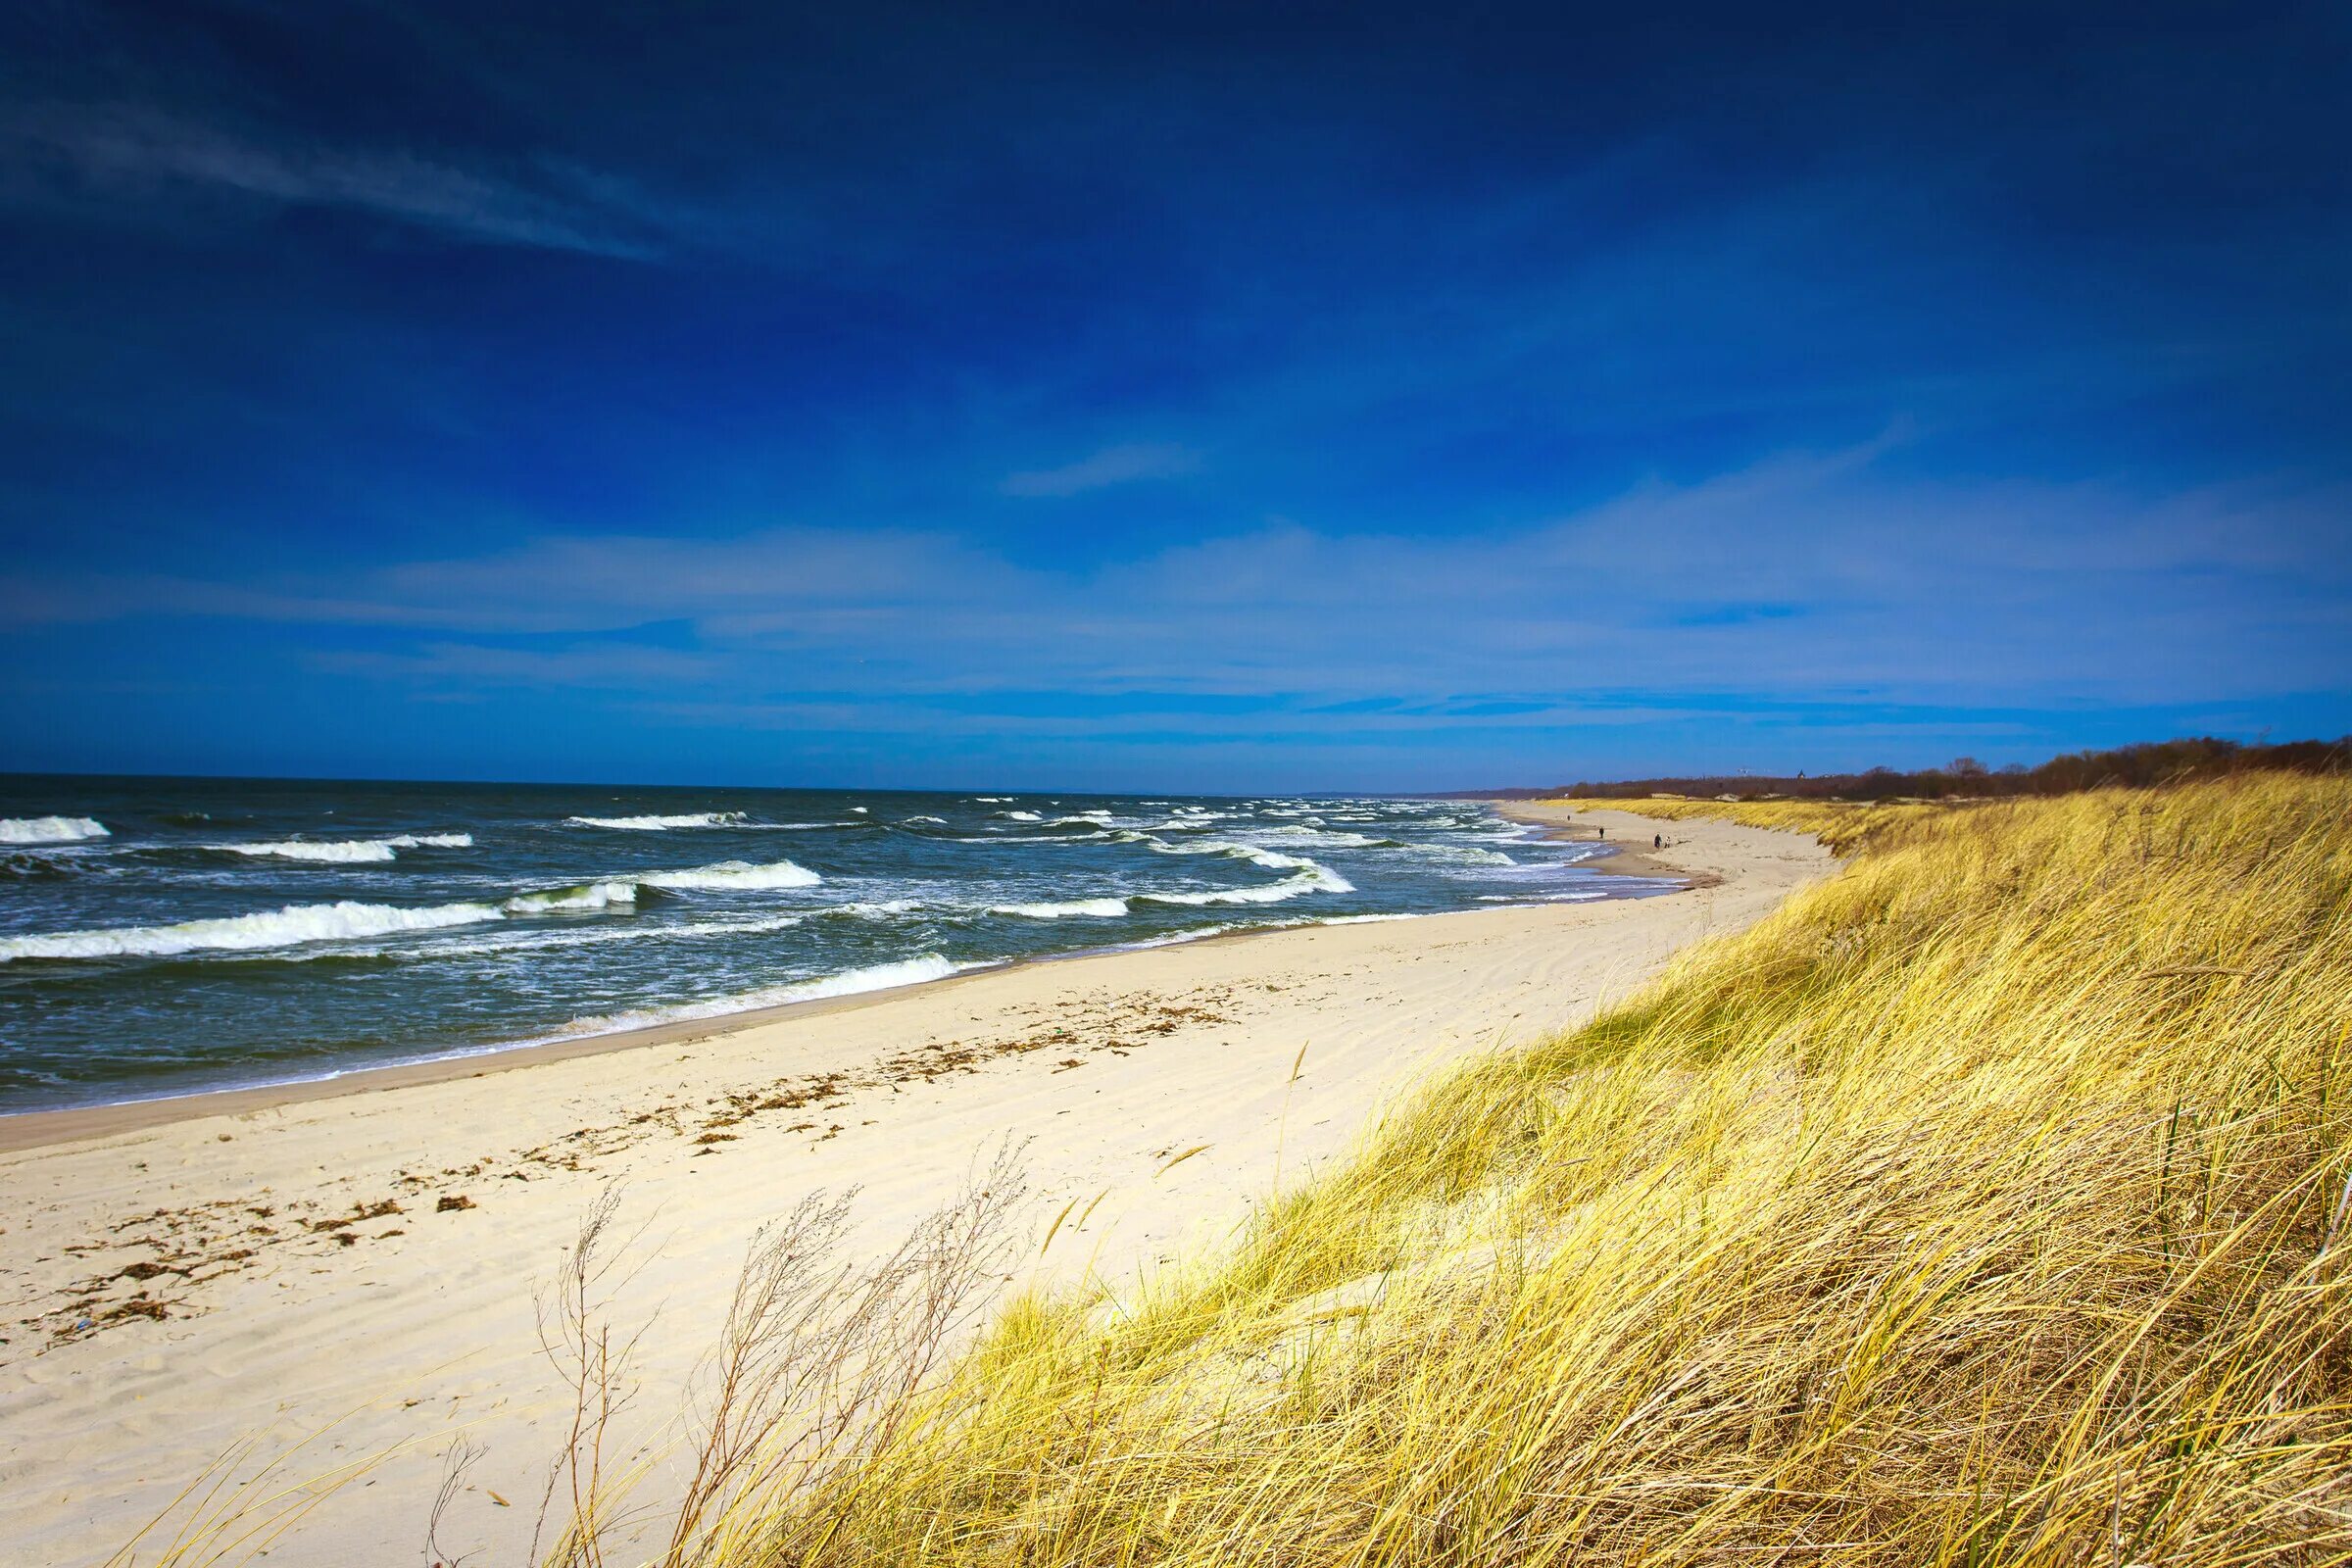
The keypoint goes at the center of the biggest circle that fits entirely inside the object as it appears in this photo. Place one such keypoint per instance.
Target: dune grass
(1842, 826)
(1985, 1204)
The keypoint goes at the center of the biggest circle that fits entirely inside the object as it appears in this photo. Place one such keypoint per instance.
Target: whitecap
(874, 909)
(1461, 854)
(1097, 909)
(1020, 817)
(940, 820)
(349, 851)
(51, 829)
(299, 923)
(658, 824)
(275, 928)
(585, 896)
(1310, 879)
(734, 875)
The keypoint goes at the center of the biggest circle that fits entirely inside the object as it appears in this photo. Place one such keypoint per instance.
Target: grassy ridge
(1985, 1204)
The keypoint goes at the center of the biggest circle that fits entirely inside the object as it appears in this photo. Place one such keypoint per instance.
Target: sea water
(165, 936)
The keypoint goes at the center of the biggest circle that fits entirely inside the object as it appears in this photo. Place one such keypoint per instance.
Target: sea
(163, 937)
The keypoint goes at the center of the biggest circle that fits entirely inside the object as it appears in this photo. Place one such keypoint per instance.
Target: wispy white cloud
(1808, 575)
(1119, 464)
(159, 166)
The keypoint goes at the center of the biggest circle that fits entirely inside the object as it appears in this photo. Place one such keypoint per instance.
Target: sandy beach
(365, 1254)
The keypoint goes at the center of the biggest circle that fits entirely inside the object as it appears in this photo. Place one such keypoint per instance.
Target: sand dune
(367, 1254)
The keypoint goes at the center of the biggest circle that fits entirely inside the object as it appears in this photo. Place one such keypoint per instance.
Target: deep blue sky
(1178, 397)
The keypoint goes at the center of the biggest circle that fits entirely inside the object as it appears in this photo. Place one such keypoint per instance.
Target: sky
(1174, 397)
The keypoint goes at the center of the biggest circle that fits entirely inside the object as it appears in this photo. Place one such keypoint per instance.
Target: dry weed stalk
(819, 1357)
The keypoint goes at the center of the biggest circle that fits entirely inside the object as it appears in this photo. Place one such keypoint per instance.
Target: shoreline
(1625, 859)
(38, 1129)
(359, 1266)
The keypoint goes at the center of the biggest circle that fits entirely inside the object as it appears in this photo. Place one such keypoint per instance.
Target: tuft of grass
(1984, 1204)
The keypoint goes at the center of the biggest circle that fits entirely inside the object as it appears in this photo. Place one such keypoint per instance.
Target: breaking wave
(1309, 878)
(51, 829)
(659, 824)
(350, 851)
(1097, 909)
(734, 875)
(299, 923)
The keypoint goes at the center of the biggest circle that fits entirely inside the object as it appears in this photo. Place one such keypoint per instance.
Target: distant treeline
(2137, 766)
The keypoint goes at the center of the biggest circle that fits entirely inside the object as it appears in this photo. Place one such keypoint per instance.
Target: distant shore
(1626, 856)
(185, 1274)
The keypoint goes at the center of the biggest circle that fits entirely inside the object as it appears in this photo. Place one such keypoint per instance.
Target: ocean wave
(1021, 816)
(33, 866)
(1093, 819)
(583, 895)
(541, 941)
(850, 982)
(298, 923)
(347, 850)
(1336, 838)
(660, 824)
(873, 909)
(1097, 909)
(51, 829)
(1269, 859)
(1018, 840)
(938, 820)
(1461, 854)
(275, 928)
(733, 876)
(1311, 878)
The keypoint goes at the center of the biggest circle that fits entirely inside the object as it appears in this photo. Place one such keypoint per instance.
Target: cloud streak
(1910, 592)
(1113, 465)
(132, 159)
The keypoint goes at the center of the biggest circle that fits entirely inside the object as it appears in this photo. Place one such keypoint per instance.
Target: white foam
(1097, 909)
(627, 931)
(881, 910)
(1090, 818)
(51, 829)
(1020, 817)
(659, 824)
(992, 800)
(1270, 860)
(735, 875)
(1463, 854)
(586, 896)
(276, 928)
(1312, 878)
(850, 982)
(349, 851)
(860, 809)
(298, 923)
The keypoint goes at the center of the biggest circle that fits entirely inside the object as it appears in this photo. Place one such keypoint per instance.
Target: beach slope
(365, 1255)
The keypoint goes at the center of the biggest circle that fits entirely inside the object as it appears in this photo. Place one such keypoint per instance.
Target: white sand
(424, 1325)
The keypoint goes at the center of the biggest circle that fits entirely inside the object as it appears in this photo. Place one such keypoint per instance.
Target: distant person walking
(1657, 841)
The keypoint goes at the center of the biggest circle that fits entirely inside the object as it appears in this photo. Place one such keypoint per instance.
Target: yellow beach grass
(1985, 1204)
